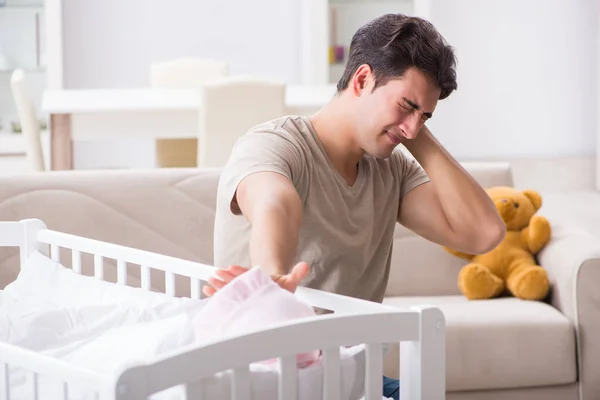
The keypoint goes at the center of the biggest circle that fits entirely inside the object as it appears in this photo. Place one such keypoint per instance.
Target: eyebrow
(416, 107)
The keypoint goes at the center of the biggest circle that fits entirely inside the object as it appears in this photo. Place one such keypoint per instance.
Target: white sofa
(497, 349)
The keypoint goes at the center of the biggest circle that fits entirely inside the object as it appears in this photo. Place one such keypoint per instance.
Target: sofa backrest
(171, 211)
(167, 211)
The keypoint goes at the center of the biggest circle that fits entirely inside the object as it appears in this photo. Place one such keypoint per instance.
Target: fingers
(299, 271)
(291, 281)
(208, 291)
(237, 270)
(223, 277)
(216, 283)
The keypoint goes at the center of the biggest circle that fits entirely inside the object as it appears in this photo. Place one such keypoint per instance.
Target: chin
(381, 154)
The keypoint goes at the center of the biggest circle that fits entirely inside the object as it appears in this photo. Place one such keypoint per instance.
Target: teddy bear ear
(535, 198)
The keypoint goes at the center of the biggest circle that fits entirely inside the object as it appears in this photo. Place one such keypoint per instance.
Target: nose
(505, 201)
(411, 126)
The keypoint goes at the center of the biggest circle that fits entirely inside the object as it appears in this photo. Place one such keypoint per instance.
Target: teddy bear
(511, 266)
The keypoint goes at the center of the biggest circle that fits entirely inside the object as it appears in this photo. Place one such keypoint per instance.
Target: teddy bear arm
(537, 234)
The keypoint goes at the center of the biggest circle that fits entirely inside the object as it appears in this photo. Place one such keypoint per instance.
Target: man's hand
(288, 281)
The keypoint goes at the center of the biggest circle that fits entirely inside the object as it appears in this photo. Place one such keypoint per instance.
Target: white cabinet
(21, 37)
(327, 27)
(22, 45)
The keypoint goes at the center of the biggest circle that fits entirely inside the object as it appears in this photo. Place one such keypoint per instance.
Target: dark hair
(392, 43)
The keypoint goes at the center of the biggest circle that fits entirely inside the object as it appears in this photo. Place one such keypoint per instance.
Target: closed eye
(411, 107)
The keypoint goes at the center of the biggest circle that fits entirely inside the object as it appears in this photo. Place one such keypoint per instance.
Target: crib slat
(240, 385)
(76, 261)
(195, 288)
(121, 272)
(170, 284)
(6, 380)
(288, 379)
(55, 252)
(374, 372)
(65, 391)
(194, 390)
(331, 383)
(146, 281)
(99, 267)
(35, 385)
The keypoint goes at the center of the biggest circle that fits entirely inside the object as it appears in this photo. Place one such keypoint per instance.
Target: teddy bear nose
(516, 205)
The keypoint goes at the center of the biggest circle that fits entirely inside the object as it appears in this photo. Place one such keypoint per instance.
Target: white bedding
(104, 326)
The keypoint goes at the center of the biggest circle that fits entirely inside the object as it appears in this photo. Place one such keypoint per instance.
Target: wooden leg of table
(61, 146)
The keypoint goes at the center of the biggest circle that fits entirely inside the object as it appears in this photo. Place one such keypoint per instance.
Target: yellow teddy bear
(511, 266)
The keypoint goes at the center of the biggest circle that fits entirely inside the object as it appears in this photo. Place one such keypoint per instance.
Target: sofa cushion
(501, 343)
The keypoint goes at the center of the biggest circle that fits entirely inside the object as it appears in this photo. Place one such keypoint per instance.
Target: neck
(334, 127)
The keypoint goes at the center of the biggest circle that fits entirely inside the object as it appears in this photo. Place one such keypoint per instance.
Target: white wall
(111, 43)
(527, 78)
(348, 16)
(526, 69)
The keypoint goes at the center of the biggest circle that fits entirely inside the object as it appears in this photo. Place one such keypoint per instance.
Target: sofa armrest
(572, 260)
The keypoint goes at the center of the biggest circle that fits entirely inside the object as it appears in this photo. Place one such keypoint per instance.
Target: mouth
(395, 139)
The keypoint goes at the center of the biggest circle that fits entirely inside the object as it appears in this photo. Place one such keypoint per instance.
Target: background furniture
(154, 113)
(182, 73)
(28, 119)
(496, 349)
(230, 107)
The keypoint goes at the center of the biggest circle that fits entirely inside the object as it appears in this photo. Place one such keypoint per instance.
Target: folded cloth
(251, 302)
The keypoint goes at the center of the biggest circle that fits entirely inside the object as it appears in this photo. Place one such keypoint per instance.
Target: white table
(141, 112)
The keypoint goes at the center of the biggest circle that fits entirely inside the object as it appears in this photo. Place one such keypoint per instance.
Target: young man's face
(394, 112)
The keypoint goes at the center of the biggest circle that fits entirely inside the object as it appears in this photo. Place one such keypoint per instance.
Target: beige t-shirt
(346, 233)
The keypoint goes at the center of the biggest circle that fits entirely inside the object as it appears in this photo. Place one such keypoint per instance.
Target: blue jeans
(391, 388)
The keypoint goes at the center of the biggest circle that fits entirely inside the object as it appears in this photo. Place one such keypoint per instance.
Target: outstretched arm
(273, 208)
(452, 209)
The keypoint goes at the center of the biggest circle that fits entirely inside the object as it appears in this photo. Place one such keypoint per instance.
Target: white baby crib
(420, 331)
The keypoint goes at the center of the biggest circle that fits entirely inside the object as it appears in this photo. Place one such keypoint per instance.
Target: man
(314, 200)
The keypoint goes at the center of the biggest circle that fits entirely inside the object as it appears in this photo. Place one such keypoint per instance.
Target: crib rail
(123, 254)
(172, 266)
(40, 365)
(420, 331)
(284, 342)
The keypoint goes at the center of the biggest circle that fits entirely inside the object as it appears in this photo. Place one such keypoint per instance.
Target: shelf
(24, 7)
(39, 70)
(365, 2)
(14, 143)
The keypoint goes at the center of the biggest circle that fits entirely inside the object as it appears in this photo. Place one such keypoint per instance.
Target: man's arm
(273, 208)
(452, 209)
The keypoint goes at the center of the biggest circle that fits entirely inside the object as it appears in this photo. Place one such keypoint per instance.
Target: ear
(535, 198)
(361, 79)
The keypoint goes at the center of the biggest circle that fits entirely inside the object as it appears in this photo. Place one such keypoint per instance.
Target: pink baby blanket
(252, 301)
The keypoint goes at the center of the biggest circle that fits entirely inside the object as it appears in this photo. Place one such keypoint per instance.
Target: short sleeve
(260, 151)
(411, 172)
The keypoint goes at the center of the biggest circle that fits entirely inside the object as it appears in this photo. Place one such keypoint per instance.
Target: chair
(182, 73)
(30, 124)
(230, 107)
